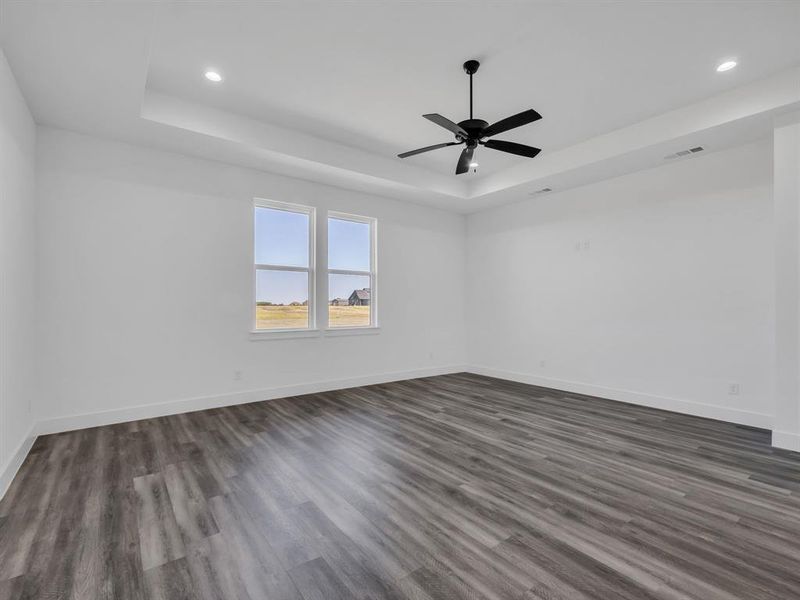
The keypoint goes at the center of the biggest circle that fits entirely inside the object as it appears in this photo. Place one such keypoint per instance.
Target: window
(352, 292)
(284, 266)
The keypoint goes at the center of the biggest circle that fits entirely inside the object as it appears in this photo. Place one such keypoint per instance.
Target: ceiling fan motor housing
(474, 127)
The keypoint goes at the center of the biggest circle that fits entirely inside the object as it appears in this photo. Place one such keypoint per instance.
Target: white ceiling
(342, 85)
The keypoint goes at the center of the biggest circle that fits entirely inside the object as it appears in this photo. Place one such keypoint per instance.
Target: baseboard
(786, 440)
(147, 411)
(697, 409)
(9, 470)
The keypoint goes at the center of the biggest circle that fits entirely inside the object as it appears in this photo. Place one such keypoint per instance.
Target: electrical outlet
(237, 375)
(733, 389)
(543, 363)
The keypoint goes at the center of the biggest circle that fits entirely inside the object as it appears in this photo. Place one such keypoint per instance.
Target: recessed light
(473, 165)
(213, 76)
(726, 66)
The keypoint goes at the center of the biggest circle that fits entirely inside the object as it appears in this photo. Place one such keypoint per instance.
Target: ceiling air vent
(682, 153)
(544, 190)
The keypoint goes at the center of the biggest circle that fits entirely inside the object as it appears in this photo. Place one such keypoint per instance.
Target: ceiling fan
(473, 132)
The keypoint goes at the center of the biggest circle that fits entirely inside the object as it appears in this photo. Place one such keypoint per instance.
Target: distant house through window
(351, 271)
(284, 266)
(359, 297)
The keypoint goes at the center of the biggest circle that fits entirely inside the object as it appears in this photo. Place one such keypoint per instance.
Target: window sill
(344, 331)
(264, 335)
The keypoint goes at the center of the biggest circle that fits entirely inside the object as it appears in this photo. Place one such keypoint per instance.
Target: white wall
(655, 288)
(17, 281)
(786, 193)
(145, 280)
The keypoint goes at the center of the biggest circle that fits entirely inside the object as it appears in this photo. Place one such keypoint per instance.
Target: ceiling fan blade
(427, 149)
(518, 120)
(464, 160)
(447, 124)
(512, 147)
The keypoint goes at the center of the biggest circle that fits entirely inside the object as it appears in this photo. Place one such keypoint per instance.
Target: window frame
(372, 273)
(310, 212)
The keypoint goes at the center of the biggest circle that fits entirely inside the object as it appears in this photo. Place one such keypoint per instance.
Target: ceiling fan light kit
(473, 132)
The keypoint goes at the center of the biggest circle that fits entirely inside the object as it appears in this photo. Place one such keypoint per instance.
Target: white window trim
(373, 326)
(284, 333)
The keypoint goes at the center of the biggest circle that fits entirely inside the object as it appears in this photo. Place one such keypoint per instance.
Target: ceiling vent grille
(544, 190)
(682, 153)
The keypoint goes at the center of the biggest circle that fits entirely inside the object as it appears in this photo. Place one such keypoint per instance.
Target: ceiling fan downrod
(471, 67)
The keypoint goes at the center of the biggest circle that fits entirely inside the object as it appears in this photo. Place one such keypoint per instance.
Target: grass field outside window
(295, 317)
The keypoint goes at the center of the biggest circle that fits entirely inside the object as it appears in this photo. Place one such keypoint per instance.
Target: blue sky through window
(348, 245)
(281, 237)
(281, 287)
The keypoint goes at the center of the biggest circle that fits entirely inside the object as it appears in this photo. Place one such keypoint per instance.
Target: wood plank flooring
(441, 488)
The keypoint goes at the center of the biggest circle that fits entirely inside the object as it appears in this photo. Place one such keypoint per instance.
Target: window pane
(350, 300)
(281, 299)
(348, 245)
(281, 237)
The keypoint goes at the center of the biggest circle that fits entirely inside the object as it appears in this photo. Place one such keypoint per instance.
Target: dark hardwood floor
(448, 487)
